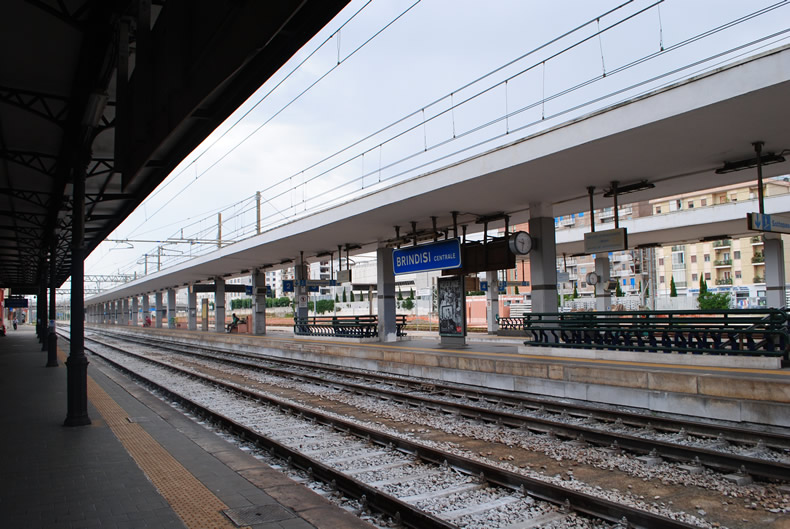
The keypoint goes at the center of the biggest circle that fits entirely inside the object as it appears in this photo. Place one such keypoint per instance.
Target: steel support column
(52, 337)
(77, 363)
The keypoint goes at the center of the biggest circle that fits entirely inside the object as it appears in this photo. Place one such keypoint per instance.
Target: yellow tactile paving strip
(197, 506)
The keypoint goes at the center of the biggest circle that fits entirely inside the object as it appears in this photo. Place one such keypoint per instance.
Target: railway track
(413, 483)
(757, 453)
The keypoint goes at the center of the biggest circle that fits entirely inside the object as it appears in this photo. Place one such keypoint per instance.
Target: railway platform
(716, 387)
(139, 464)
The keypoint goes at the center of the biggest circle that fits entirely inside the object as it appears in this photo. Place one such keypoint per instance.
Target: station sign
(262, 291)
(288, 285)
(605, 241)
(440, 255)
(15, 303)
(770, 223)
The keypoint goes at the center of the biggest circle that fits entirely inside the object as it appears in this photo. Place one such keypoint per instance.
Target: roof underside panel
(189, 64)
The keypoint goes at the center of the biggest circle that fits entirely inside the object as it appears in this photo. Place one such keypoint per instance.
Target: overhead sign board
(15, 303)
(435, 256)
(343, 276)
(288, 285)
(771, 223)
(606, 241)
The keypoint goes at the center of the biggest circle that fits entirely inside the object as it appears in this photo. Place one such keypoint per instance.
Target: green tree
(344, 296)
(325, 305)
(352, 296)
(575, 292)
(619, 292)
(408, 304)
(411, 293)
(673, 292)
(336, 298)
(703, 286)
(400, 295)
(517, 290)
(712, 301)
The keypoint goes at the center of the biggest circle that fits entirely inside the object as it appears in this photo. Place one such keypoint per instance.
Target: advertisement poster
(452, 306)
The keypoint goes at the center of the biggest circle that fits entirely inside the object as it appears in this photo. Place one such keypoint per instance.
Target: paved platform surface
(140, 463)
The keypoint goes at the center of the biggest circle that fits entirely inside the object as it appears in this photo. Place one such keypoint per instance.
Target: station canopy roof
(188, 65)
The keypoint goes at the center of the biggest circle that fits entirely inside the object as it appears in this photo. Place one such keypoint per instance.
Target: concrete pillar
(385, 285)
(135, 310)
(603, 296)
(775, 287)
(125, 315)
(300, 273)
(146, 307)
(204, 315)
(159, 310)
(543, 259)
(191, 308)
(492, 302)
(116, 312)
(171, 308)
(258, 302)
(219, 305)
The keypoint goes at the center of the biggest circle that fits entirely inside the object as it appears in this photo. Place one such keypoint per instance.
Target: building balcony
(724, 281)
(756, 240)
(725, 243)
(567, 221)
(722, 262)
(758, 258)
(759, 279)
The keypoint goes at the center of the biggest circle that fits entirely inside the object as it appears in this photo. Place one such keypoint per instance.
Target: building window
(691, 204)
(706, 257)
(722, 199)
(737, 274)
(707, 276)
(694, 277)
(733, 198)
(703, 202)
(660, 279)
(736, 254)
(660, 261)
(658, 210)
(693, 258)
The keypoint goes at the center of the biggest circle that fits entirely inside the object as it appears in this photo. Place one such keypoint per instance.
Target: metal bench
(344, 326)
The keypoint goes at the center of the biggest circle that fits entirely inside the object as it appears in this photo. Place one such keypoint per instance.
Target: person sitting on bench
(233, 324)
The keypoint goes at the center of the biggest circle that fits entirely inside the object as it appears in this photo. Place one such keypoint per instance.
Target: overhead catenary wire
(544, 99)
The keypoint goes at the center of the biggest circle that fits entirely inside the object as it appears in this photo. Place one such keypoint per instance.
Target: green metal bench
(344, 326)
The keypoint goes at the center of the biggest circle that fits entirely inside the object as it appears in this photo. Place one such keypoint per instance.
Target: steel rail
(777, 441)
(574, 500)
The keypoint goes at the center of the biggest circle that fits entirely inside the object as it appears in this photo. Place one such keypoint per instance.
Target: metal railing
(762, 332)
(344, 326)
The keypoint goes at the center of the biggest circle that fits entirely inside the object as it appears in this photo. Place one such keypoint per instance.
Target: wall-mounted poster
(452, 306)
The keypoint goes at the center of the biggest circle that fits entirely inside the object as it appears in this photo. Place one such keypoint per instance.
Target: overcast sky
(431, 51)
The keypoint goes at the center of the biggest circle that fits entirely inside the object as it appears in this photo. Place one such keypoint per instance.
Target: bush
(407, 304)
(325, 305)
(282, 302)
(710, 301)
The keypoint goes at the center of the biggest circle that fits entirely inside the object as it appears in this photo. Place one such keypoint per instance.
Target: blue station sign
(440, 255)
